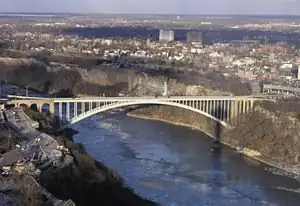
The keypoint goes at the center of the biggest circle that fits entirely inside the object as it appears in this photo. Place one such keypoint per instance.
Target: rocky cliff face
(24, 164)
(273, 131)
(55, 77)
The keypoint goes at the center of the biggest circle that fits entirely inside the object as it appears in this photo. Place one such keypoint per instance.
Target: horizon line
(139, 14)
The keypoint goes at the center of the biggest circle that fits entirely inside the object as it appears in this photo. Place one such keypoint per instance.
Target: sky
(287, 7)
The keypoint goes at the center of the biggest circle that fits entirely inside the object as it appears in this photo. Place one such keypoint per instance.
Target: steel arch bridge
(221, 109)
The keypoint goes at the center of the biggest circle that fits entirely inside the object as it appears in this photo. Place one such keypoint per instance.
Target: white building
(166, 35)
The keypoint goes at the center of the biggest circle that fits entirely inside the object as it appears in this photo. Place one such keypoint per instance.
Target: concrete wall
(30, 103)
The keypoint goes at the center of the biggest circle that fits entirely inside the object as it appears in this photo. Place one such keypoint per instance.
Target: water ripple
(162, 166)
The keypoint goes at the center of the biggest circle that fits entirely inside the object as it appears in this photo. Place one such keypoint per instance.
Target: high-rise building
(166, 35)
(194, 36)
(298, 76)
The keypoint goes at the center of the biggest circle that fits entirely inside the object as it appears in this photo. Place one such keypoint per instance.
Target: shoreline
(263, 160)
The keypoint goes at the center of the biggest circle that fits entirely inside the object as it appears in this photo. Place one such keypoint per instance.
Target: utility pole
(26, 91)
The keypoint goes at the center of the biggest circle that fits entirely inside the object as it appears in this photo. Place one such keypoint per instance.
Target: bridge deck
(116, 99)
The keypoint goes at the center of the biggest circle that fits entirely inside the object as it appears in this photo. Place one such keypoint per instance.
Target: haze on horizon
(265, 7)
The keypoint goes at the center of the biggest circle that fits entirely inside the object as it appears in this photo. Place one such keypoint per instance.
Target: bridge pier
(234, 110)
(206, 106)
(39, 107)
(223, 110)
(90, 106)
(60, 115)
(68, 116)
(245, 106)
(228, 110)
(75, 109)
(51, 109)
(82, 107)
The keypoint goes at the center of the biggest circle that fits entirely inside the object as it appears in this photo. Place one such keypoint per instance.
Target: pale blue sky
(155, 6)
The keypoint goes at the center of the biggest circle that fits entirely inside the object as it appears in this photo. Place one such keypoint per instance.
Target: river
(173, 165)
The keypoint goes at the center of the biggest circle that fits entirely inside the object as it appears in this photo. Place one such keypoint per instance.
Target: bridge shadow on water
(221, 178)
(216, 149)
(219, 113)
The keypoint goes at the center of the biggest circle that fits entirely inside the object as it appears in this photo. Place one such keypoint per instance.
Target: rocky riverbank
(266, 134)
(26, 154)
(55, 171)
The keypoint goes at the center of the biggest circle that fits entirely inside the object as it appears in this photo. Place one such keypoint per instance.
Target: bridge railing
(29, 97)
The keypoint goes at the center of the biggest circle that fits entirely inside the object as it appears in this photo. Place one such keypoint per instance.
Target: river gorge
(153, 156)
(173, 165)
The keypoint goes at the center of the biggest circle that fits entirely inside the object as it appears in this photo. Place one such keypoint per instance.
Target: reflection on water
(173, 165)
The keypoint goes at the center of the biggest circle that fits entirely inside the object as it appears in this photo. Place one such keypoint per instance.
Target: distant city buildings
(250, 58)
(166, 35)
(298, 75)
(244, 42)
(194, 36)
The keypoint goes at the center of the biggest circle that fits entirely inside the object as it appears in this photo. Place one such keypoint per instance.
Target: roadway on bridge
(173, 98)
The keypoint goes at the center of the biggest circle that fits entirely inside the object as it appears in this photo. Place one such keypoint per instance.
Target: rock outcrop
(24, 164)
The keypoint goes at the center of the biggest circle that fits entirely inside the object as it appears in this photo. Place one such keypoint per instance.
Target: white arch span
(124, 104)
